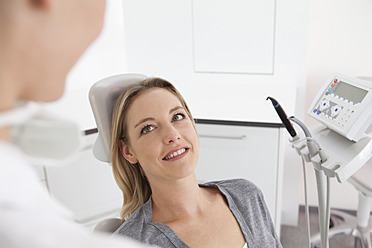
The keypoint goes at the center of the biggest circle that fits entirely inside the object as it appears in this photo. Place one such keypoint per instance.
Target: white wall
(340, 40)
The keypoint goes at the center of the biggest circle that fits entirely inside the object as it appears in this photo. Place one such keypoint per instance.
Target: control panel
(344, 104)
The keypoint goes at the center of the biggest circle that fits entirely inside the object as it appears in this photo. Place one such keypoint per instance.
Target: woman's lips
(175, 154)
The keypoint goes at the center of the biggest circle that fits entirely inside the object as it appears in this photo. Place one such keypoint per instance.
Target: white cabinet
(233, 36)
(248, 150)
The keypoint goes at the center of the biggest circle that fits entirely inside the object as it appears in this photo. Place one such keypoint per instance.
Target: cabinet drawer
(240, 152)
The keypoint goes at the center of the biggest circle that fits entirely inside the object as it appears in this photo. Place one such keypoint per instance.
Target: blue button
(314, 111)
(336, 109)
(318, 112)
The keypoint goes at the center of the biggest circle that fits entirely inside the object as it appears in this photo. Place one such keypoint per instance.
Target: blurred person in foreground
(40, 41)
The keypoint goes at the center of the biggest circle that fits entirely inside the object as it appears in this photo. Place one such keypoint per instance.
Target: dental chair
(102, 98)
(359, 226)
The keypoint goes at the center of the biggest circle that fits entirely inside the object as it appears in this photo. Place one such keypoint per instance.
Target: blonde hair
(131, 179)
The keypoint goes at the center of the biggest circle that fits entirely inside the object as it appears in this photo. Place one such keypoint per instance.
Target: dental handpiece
(283, 116)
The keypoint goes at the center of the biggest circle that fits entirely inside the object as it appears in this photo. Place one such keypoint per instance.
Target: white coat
(30, 218)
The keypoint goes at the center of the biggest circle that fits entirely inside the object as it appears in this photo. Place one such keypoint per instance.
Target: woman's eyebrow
(144, 120)
(175, 108)
(152, 118)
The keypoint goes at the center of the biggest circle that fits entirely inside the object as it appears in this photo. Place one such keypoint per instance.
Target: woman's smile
(176, 154)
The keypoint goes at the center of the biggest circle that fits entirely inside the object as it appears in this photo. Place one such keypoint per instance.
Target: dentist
(40, 40)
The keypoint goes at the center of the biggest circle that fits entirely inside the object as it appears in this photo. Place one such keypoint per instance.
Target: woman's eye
(178, 117)
(147, 129)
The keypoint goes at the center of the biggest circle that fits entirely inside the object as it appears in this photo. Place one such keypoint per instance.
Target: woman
(155, 150)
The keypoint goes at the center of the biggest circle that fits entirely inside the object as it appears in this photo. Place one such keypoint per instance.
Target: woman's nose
(171, 134)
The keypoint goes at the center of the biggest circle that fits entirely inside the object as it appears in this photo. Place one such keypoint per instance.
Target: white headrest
(102, 97)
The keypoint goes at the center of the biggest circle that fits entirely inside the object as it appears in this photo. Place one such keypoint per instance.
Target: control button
(314, 111)
(329, 89)
(324, 104)
(336, 80)
(335, 110)
(318, 112)
(333, 85)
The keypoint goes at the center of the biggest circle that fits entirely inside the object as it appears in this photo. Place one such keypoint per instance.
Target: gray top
(245, 201)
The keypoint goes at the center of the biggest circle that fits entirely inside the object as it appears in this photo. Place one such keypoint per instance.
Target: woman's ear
(126, 152)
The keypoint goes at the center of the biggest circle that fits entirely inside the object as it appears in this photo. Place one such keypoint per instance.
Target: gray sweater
(245, 201)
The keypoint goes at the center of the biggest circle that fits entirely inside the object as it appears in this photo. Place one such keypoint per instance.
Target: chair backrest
(108, 225)
(102, 98)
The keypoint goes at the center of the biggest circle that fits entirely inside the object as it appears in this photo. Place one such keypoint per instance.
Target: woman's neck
(171, 201)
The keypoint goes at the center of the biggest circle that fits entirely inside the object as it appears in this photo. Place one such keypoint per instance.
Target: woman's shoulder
(140, 227)
(135, 224)
(237, 185)
(240, 190)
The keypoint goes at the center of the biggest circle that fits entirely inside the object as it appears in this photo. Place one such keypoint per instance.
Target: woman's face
(162, 138)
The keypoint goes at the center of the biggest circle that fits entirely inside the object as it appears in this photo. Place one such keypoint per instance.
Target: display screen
(350, 92)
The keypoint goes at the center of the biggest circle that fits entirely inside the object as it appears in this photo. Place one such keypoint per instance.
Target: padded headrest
(102, 98)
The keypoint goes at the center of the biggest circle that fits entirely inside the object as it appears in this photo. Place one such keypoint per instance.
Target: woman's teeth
(175, 154)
